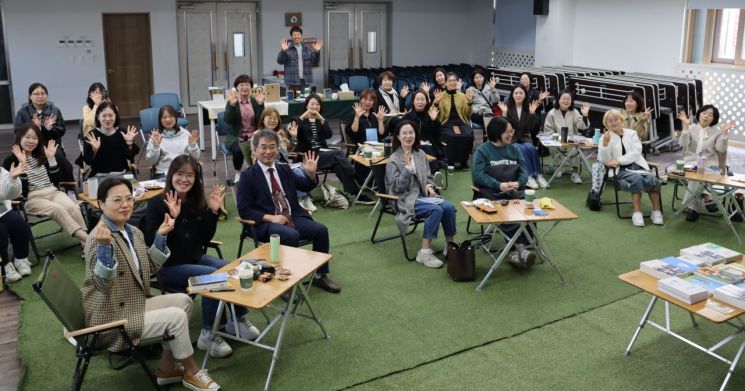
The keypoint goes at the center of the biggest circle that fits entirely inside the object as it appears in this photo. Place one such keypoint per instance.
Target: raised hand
(95, 97)
(292, 129)
(130, 134)
(727, 127)
(103, 234)
(543, 95)
(93, 141)
(156, 137)
(50, 149)
(533, 106)
(380, 114)
(493, 83)
(424, 87)
(260, 97)
(503, 108)
(281, 133)
(433, 112)
(194, 137)
(404, 91)
(306, 114)
(319, 116)
(20, 169)
(438, 96)
(606, 138)
(358, 110)
(18, 153)
(173, 203)
(318, 45)
(284, 44)
(585, 110)
(310, 164)
(167, 225)
(232, 96)
(50, 121)
(647, 113)
(683, 117)
(36, 120)
(408, 158)
(217, 195)
(459, 85)
(469, 95)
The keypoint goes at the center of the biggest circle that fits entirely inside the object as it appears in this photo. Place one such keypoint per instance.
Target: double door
(356, 35)
(217, 42)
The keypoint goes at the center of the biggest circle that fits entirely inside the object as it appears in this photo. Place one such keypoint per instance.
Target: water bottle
(596, 137)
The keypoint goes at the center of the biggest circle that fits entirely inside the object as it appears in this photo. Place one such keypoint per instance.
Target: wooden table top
(518, 212)
(648, 283)
(301, 263)
(148, 195)
(712, 178)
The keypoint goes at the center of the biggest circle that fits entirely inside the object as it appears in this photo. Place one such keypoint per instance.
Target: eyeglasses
(119, 201)
(39, 93)
(267, 147)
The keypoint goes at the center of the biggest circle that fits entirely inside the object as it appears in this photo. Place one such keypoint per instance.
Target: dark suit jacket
(524, 126)
(305, 135)
(255, 197)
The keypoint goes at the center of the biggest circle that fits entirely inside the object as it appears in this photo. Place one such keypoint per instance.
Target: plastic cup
(537, 204)
(368, 154)
(529, 195)
(246, 278)
(701, 166)
(274, 248)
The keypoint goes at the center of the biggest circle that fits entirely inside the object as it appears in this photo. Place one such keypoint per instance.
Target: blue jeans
(530, 154)
(175, 278)
(433, 215)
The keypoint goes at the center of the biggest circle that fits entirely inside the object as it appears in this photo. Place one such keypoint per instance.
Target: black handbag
(593, 200)
(462, 258)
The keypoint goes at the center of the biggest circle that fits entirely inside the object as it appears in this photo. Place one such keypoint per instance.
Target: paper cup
(529, 195)
(246, 277)
(679, 165)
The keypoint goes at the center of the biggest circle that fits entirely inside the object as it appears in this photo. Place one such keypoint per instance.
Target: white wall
(630, 35)
(515, 26)
(33, 28)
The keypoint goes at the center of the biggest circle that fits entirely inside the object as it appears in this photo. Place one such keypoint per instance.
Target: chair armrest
(215, 243)
(245, 221)
(95, 329)
(386, 196)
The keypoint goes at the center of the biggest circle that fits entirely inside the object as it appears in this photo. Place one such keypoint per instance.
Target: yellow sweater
(461, 106)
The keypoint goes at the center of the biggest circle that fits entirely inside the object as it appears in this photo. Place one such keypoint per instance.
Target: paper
(344, 87)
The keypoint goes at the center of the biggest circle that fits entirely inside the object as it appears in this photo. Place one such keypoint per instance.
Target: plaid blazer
(289, 59)
(122, 297)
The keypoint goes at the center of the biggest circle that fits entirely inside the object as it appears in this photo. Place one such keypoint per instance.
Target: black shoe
(692, 215)
(711, 207)
(365, 200)
(327, 284)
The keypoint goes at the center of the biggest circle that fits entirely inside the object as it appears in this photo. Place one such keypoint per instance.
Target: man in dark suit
(267, 194)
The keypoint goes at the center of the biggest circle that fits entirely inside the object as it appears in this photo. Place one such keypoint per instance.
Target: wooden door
(129, 62)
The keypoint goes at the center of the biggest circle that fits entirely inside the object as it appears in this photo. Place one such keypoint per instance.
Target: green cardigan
(461, 106)
(233, 120)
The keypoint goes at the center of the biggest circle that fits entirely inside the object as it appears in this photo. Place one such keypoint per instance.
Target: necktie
(280, 201)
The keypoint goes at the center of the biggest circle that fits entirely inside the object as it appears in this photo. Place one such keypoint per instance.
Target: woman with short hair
(242, 112)
(109, 149)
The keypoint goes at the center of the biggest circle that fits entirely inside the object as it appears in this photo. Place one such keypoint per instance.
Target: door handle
(109, 71)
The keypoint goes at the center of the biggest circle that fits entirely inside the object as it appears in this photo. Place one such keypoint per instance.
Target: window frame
(713, 36)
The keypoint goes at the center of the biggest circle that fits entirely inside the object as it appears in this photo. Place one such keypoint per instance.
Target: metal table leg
(642, 322)
(501, 256)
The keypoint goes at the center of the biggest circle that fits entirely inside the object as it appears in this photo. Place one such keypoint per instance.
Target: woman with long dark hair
(96, 95)
(109, 148)
(636, 116)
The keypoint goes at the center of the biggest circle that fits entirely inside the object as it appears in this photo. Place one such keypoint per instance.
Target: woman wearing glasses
(43, 113)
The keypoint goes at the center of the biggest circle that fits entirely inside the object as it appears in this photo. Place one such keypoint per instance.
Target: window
(715, 36)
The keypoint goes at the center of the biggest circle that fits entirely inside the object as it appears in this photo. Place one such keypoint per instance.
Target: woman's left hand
(533, 106)
(647, 113)
(130, 134)
(173, 203)
(727, 127)
(433, 113)
(310, 164)
(167, 226)
(260, 96)
(194, 137)
(585, 110)
(50, 149)
(543, 95)
(217, 195)
(404, 91)
(469, 95)
(50, 121)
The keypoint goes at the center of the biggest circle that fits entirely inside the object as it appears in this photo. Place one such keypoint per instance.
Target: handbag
(333, 198)
(461, 259)
(593, 200)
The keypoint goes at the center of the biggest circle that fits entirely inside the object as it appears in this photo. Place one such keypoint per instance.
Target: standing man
(267, 194)
(298, 59)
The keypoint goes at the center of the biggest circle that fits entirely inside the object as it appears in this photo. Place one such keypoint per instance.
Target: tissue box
(346, 95)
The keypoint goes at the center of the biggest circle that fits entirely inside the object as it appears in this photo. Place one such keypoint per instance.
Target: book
(730, 273)
(719, 307)
(682, 290)
(705, 283)
(711, 252)
(208, 282)
(700, 262)
(667, 267)
(731, 294)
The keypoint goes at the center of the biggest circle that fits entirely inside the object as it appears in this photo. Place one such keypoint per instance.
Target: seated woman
(392, 101)
(455, 117)
(407, 176)
(109, 148)
(195, 225)
(500, 172)
(12, 225)
(424, 117)
(242, 113)
(485, 96)
(703, 140)
(439, 76)
(41, 180)
(522, 116)
(312, 132)
(562, 116)
(96, 94)
(116, 258)
(635, 116)
(367, 115)
(170, 141)
(43, 113)
(621, 149)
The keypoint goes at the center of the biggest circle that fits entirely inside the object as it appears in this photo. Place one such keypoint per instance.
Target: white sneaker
(637, 219)
(445, 251)
(220, 348)
(246, 328)
(576, 178)
(657, 217)
(308, 204)
(532, 184)
(237, 177)
(427, 258)
(11, 274)
(438, 180)
(542, 181)
(23, 266)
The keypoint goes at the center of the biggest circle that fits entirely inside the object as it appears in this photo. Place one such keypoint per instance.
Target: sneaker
(220, 348)
(237, 177)
(637, 219)
(692, 215)
(246, 328)
(23, 266)
(11, 274)
(542, 181)
(576, 178)
(532, 184)
(307, 204)
(201, 381)
(427, 258)
(438, 180)
(173, 376)
(657, 218)
(365, 200)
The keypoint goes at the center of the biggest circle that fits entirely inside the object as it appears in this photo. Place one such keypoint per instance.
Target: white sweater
(169, 148)
(9, 189)
(613, 151)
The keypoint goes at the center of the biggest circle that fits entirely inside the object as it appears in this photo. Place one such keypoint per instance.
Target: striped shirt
(38, 177)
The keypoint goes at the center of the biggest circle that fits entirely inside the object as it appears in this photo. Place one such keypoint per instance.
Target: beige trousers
(58, 206)
(169, 314)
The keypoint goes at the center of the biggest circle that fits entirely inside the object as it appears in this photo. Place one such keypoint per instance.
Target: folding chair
(63, 297)
(610, 176)
(248, 232)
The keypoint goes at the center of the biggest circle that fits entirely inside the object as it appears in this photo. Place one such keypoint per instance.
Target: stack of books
(730, 273)
(711, 254)
(731, 294)
(209, 282)
(682, 290)
(667, 267)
